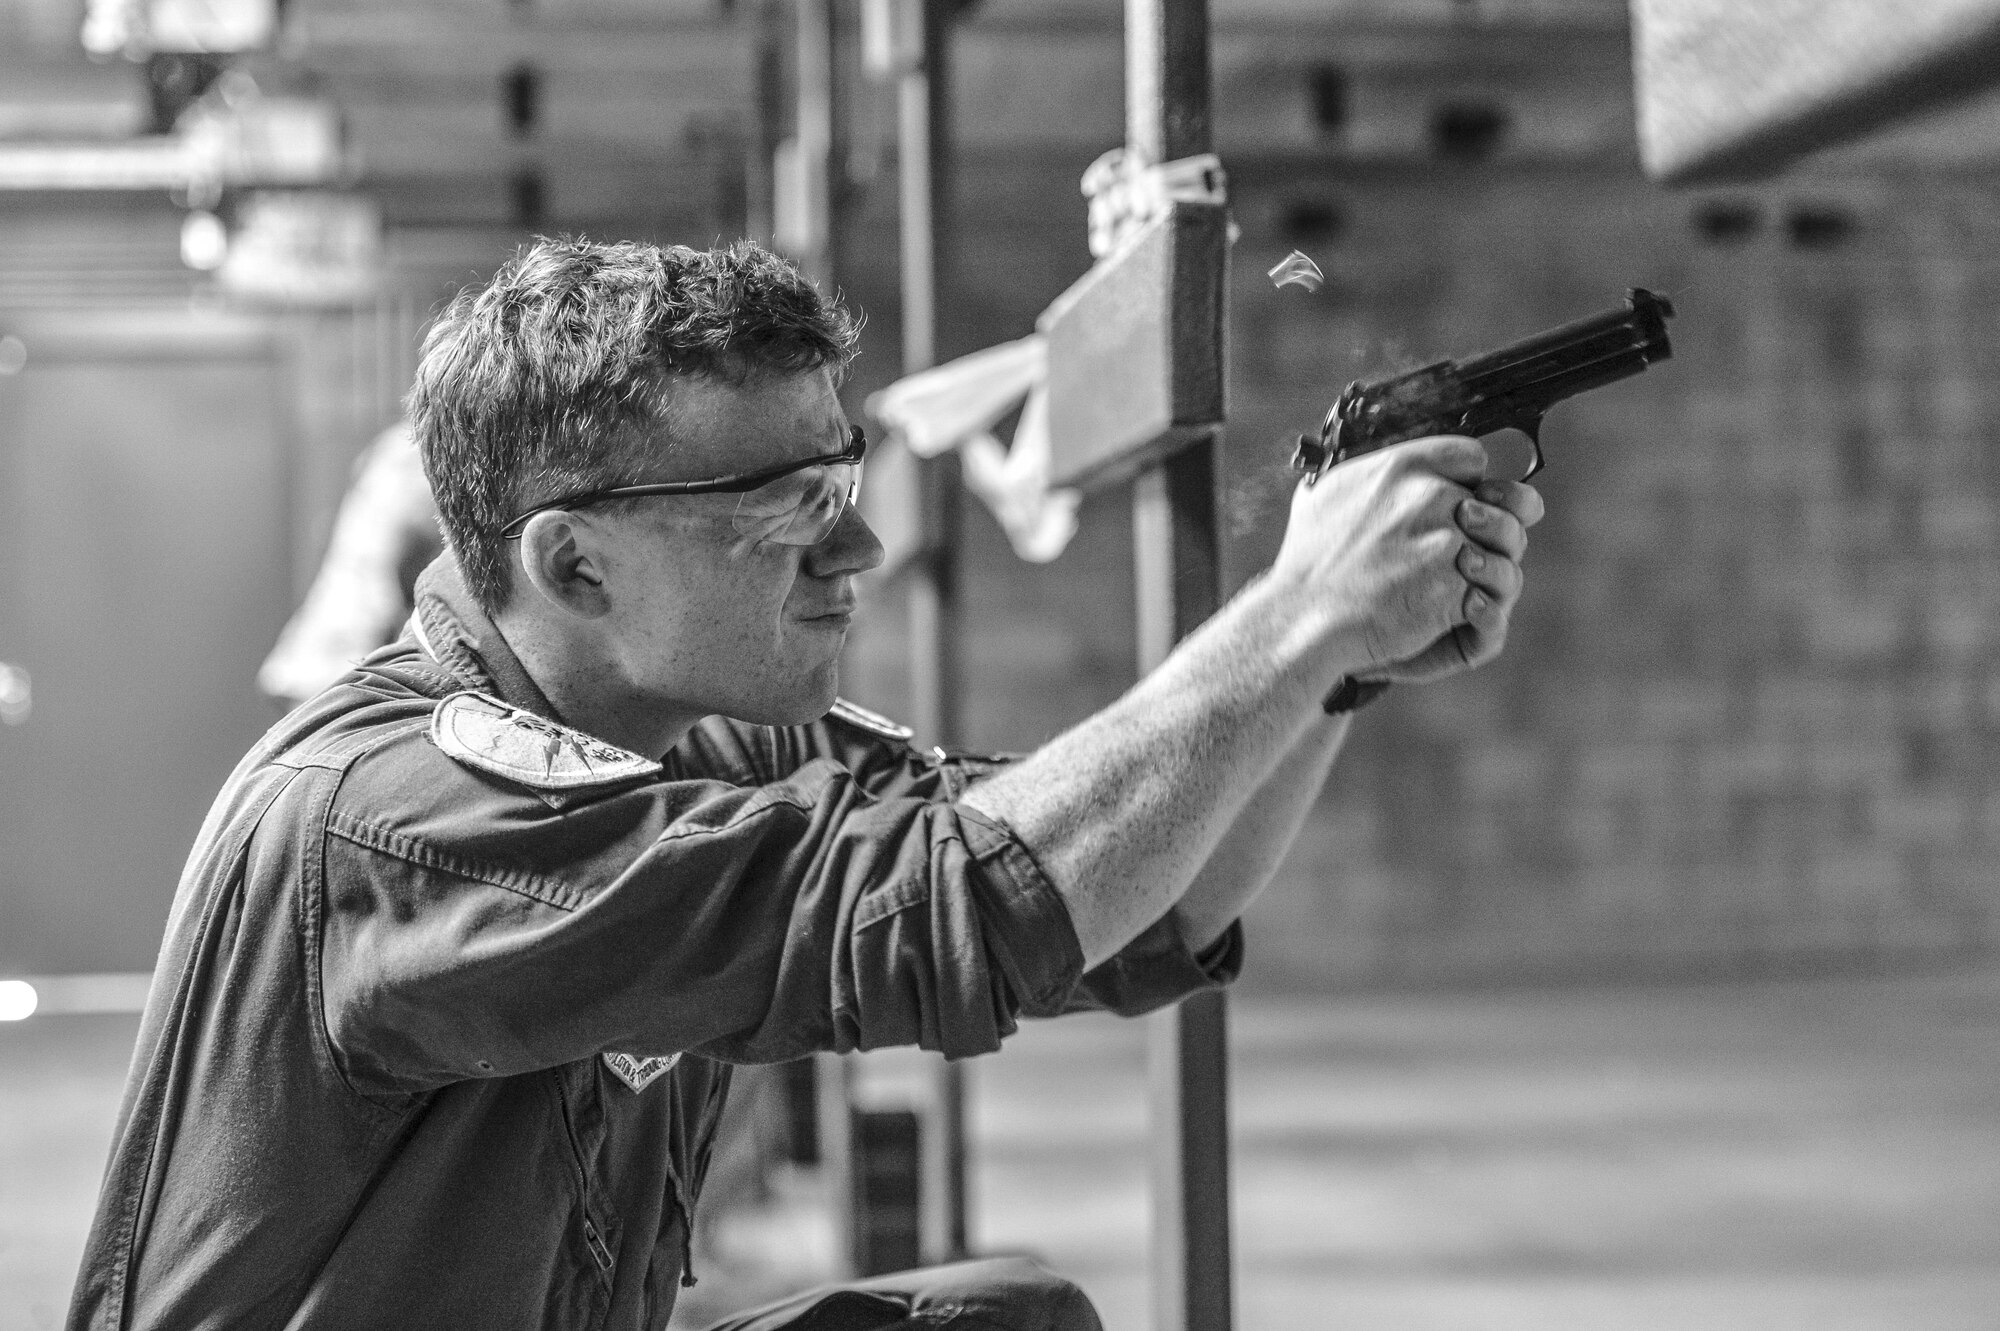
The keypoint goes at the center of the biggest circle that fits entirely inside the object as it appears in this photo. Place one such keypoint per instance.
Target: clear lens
(800, 508)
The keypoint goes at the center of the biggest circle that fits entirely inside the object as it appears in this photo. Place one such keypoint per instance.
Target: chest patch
(484, 733)
(873, 722)
(639, 1073)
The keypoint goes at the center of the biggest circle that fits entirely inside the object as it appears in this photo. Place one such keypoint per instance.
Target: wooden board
(1730, 90)
(1136, 351)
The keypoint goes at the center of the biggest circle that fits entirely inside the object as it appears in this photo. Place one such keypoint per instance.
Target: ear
(559, 558)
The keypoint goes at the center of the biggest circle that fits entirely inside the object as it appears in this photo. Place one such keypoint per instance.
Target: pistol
(1508, 389)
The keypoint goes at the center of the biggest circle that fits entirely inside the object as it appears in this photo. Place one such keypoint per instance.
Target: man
(452, 983)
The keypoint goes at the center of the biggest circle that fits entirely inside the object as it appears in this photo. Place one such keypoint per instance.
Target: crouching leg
(993, 1294)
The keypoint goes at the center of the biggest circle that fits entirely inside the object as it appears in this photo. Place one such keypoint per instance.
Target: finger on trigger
(1523, 501)
(1485, 613)
(1497, 577)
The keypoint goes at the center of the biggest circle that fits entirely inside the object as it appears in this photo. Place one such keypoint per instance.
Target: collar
(463, 639)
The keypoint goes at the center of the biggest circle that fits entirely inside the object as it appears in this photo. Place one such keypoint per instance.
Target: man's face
(706, 619)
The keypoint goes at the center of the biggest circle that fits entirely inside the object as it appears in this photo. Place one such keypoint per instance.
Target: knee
(1020, 1295)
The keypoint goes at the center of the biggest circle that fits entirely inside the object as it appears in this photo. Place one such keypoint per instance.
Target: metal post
(768, 98)
(923, 158)
(804, 223)
(835, 1151)
(809, 229)
(1179, 584)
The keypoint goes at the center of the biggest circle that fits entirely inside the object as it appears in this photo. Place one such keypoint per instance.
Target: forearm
(1122, 811)
(1375, 571)
(1257, 842)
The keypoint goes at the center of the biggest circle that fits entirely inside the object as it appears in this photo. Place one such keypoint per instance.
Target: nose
(851, 547)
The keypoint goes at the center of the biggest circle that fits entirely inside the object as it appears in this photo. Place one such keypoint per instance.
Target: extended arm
(1261, 836)
(1258, 841)
(1123, 811)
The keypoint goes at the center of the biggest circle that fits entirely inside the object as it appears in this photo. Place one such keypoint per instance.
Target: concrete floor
(1818, 1154)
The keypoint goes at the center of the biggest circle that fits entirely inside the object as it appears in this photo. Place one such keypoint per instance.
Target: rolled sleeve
(475, 930)
(1156, 969)
(990, 932)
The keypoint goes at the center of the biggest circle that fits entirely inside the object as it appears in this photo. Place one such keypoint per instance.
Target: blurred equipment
(226, 133)
(137, 28)
(18, 1000)
(1728, 89)
(311, 247)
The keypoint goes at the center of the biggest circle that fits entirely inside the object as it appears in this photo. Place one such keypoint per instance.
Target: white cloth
(1126, 192)
(387, 520)
(957, 404)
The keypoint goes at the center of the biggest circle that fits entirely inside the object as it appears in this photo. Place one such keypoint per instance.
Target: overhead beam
(1734, 90)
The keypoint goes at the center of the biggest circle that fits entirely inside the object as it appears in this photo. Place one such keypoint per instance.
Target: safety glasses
(797, 503)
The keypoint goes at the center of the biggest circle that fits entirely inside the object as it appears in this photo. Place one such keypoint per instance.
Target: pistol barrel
(1588, 352)
(1508, 388)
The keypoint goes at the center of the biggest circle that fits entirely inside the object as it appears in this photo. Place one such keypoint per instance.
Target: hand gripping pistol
(1511, 388)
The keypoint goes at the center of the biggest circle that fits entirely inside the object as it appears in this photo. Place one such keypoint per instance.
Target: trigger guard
(1529, 432)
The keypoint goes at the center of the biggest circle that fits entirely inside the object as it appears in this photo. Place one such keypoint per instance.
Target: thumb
(1456, 457)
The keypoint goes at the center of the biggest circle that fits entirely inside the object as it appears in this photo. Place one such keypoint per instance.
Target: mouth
(838, 618)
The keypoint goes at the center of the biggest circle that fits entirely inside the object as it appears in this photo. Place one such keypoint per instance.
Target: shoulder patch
(873, 722)
(485, 733)
(639, 1073)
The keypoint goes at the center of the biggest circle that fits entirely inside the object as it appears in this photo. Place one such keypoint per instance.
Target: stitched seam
(1002, 859)
(774, 798)
(879, 906)
(152, 1094)
(431, 674)
(348, 751)
(339, 755)
(392, 695)
(312, 939)
(371, 837)
(458, 659)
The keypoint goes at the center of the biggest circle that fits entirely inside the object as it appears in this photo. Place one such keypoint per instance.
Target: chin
(800, 705)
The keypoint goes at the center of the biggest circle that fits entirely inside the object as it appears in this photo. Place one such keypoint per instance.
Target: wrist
(1327, 636)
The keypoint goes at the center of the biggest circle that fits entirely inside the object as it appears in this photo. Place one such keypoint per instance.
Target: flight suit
(444, 1015)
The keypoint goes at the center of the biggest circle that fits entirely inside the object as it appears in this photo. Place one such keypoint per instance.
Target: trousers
(992, 1294)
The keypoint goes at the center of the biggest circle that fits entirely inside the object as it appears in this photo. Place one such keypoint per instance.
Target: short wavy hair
(556, 375)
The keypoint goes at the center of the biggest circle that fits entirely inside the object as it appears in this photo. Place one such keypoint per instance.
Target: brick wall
(1747, 719)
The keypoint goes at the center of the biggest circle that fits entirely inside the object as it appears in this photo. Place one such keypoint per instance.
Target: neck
(589, 691)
